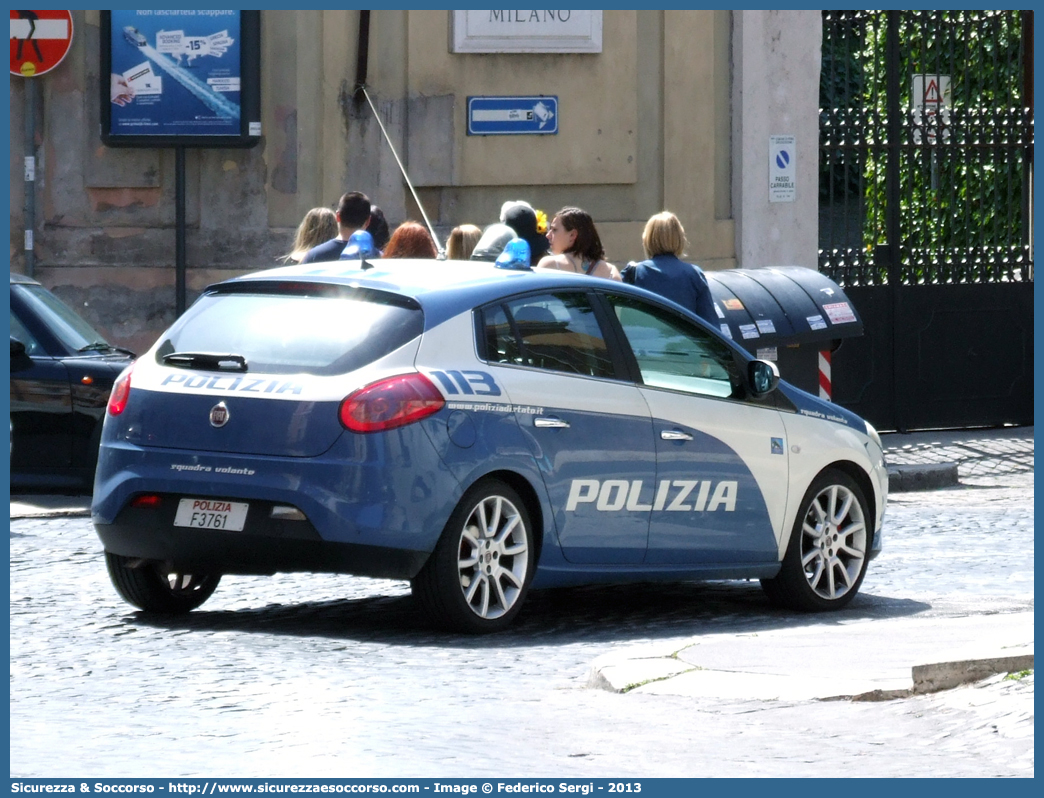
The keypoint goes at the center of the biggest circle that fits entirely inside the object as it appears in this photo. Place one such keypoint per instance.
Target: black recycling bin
(788, 315)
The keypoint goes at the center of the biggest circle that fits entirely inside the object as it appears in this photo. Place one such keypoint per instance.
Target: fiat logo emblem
(219, 415)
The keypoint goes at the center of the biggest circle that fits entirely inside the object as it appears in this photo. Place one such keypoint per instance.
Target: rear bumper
(265, 546)
(390, 494)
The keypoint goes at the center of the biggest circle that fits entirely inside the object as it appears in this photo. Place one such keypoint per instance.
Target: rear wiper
(212, 361)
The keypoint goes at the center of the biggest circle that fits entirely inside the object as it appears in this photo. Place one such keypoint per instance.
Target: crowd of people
(522, 238)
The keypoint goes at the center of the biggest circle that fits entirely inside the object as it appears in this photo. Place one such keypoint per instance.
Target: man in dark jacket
(353, 213)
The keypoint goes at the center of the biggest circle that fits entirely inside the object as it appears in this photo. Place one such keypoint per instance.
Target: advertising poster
(175, 73)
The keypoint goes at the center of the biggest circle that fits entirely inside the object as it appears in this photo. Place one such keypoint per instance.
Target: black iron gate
(926, 213)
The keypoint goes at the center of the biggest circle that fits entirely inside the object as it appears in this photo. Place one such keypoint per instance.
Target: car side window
(675, 354)
(556, 332)
(19, 331)
(501, 344)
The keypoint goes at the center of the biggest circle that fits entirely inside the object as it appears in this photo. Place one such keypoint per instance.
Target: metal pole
(405, 176)
(179, 224)
(893, 229)
(1027, 158)
(362, 58)
(29, 206)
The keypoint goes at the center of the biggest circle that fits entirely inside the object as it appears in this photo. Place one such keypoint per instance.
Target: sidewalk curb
(931, 678)
(945, 675)
(922, 477)
(37, 513)
(876, 659)
(50, 506)
(940, 676)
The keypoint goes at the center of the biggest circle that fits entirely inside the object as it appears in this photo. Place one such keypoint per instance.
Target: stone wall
(674, 113)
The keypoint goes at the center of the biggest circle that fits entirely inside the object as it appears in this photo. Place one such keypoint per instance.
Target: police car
(479, 432)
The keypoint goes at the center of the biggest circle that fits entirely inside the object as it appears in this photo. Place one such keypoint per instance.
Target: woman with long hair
(411, 240)
(461, 242)
(318, 226)
(576, 247)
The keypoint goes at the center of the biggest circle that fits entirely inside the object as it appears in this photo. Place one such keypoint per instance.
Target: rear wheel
(148, 587)
(477, 577)
(826, 557)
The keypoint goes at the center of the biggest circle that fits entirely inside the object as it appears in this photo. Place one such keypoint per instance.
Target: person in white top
(576, 247)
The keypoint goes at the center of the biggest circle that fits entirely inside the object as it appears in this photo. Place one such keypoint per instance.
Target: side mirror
(17, 347)
(762, 377)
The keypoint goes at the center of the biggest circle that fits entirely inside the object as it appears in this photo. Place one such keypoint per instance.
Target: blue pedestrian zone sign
(507, 116)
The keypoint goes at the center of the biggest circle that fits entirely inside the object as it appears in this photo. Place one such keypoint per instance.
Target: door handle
(552, 423)
(675, 435)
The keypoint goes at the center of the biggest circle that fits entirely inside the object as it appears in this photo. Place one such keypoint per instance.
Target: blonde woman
(462, 241)
(665, 273)
(318, 226)
(576, 247)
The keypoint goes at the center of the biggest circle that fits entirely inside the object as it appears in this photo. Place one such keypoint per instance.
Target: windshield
(296, 332)
(61, 320)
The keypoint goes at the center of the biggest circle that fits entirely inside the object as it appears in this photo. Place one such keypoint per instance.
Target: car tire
(153, 590)
(477, 578)
(829, 547)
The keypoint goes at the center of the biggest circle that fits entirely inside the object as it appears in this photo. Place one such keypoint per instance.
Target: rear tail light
(391, 403)
(147, 501)
(120, 392)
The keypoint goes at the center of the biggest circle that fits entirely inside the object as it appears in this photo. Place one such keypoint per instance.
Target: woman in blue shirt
(665, 273)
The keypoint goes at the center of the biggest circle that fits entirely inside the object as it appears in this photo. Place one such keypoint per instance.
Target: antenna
(434, 237)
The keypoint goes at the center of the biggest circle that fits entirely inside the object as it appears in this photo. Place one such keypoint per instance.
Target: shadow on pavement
(598, 614)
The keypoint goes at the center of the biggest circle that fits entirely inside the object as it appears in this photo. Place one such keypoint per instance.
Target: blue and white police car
(479, 432)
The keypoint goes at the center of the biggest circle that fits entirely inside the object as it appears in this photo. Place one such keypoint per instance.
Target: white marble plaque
(518, 31)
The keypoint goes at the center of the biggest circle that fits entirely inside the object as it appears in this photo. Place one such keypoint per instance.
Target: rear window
(310, 329)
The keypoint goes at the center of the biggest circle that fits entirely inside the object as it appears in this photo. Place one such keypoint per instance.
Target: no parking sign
(782, 169)
(39, 41)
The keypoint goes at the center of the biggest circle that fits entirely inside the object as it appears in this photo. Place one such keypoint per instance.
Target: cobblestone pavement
(306, 675)
(986, 453)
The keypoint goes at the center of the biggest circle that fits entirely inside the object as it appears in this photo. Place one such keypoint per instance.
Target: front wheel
(826, 557)
(152, 589)
(477, 578)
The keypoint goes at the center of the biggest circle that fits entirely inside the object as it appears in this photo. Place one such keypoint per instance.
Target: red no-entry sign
(39, 41)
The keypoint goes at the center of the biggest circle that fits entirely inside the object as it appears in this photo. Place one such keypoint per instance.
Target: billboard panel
(180, 78)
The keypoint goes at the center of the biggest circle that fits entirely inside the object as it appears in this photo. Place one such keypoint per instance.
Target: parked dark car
(62, 371)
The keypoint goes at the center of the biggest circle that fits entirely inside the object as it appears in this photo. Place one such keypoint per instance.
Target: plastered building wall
(777, 60)
(674, 113)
